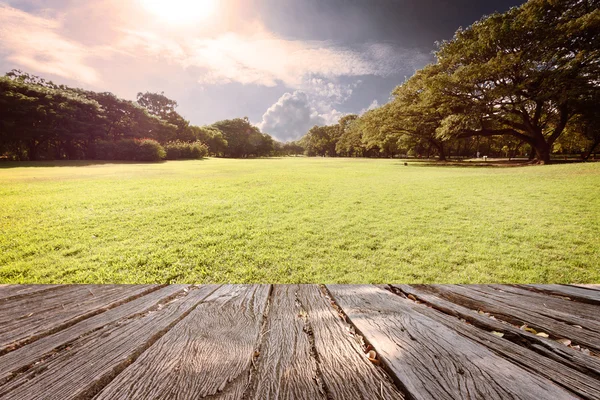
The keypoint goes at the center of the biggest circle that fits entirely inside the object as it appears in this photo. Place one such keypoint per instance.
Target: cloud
(33, 42)
(245, 53)
(295, 113)
(291, 117)
(264, 59)
(328, 90)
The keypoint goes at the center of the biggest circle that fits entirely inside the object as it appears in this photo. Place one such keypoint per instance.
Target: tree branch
(495, 132)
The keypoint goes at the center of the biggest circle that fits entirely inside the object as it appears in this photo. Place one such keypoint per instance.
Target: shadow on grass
(465, 163)
(79, 163)
(494, 163)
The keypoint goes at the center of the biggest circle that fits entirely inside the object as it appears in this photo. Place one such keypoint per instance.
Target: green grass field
(298, 220)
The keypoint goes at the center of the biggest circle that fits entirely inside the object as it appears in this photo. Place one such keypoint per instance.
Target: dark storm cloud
(408, 23)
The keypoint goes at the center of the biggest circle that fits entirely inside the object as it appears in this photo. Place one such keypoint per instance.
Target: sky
(287, 65)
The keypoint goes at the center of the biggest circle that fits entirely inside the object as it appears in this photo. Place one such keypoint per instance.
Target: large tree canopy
(525, 73)
(513, 80)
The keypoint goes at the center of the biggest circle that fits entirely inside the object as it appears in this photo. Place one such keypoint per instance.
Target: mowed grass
(298, 220)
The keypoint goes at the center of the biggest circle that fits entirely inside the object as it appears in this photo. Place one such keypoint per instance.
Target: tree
(416, 112)
(157, 104)
(162, 107)
(34, 116)
(525, 73)
(349, 142)
(320, 141)
(243, 138)
(211, 136)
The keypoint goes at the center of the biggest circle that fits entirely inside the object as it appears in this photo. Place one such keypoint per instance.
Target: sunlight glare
(181, 11)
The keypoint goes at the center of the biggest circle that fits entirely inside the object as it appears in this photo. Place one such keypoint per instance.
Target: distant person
(477, 154)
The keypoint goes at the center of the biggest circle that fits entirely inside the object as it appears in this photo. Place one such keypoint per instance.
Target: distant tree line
(40, 120)
(523, 82)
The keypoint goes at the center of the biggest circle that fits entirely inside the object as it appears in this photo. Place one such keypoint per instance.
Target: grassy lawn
(298, 220)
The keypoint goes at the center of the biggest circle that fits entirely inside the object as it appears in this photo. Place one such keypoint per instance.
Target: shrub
(105, 150)
(126, 150)
(173, 150)
(178, 150)
(129, 150)
(149, 150)
(198, 150)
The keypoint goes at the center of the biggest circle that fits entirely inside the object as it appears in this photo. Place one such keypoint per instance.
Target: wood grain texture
(8, 292)
(308, 353)
(431, 360)
(207, 354)
(569, 312)
(518, 313)
(346, 370)
(286, 367)
(586, 295)
(20, 359)
(576, 382)
(550, 305)
(591, 286)
(26, 319)
(88, 363)
(557, 351)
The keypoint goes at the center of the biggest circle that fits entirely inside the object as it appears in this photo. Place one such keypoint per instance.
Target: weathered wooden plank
(286, 367)
(308, 353)
(209, 353)
(431, 360)
(549, 304)
(347, 372)
(586, 295)
(26, 319)
(82, 368)
(13, 291)
(559, 352)
(587, 286)
(517, 314)
(556, 369)
(572, 313)
(20, 359)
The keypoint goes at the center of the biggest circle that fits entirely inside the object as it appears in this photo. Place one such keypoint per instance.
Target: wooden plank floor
(300, 342)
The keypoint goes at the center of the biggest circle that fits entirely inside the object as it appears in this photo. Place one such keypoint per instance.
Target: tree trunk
(32, 150)
(542, 151)
(531, 153)
(591, 150)
(441, 151)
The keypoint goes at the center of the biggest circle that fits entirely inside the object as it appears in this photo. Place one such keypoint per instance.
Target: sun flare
(181, 11)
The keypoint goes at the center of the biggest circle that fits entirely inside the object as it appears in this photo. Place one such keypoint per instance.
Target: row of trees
(42, 120)
(526, 81)
(364, 137)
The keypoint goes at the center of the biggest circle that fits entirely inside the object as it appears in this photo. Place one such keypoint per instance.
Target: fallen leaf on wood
(413, 298)
(566, 342)
(528, 329)
(499, 334)
(372, 355)
(542, 334)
